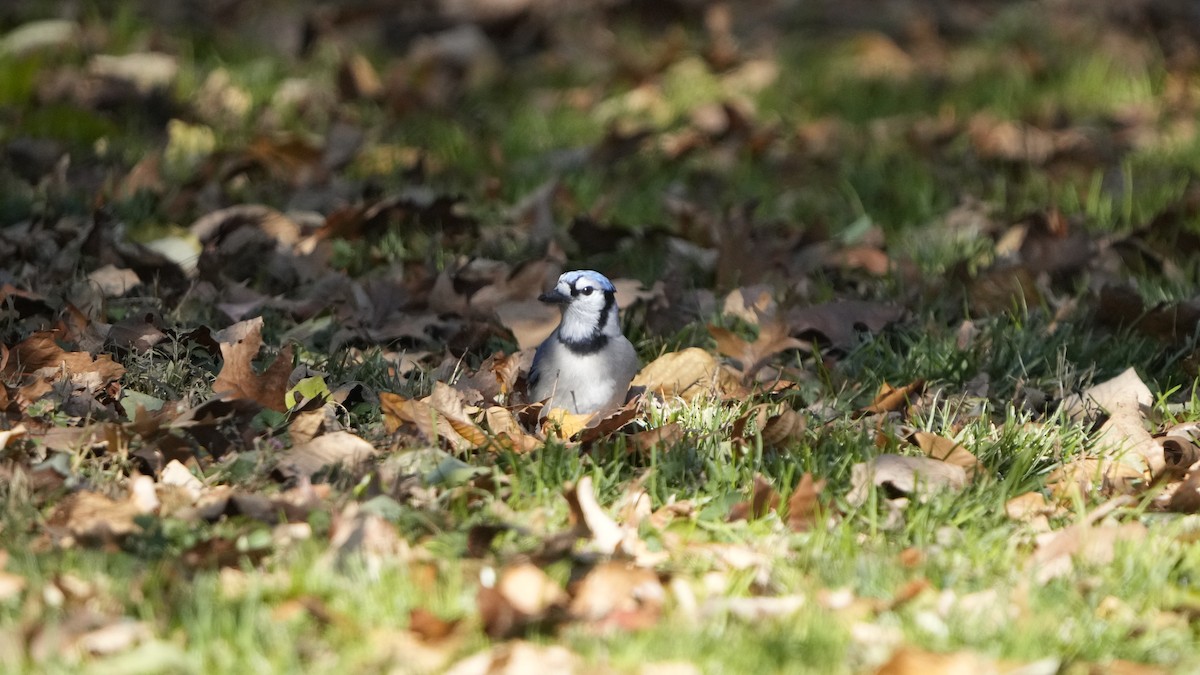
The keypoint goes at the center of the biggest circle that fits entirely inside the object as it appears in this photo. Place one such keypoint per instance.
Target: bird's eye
(586, 291)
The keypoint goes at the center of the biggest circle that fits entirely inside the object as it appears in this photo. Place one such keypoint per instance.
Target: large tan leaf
(838, 323)
(240, 344)
(906, 476)
(521, 595)
(618, 594)
(948, 451)
(38, 361)
(1086, 541)
(772, 339)
(339, 447)
(1126, 400)
(507, 433)
(433, 427)
(686, 374)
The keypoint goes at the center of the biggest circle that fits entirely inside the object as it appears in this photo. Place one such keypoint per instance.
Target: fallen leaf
(890, 399)
(115, 637)
(337, 448)
(1079, 477)
(755, 610)
(563, 424)
(114, 282)
(399, 411)
(605, 533)
(507, 433)
(93, 518)
(646, 441)
(772, 339)
(948, 451)
(686, 374)
(901, 477)
(1126, 400)
(1031, 508)
(1085, 541)
(355, 533)
(11, 584)
(519, 658)
(38, 361)
(764, 500)
(430, 627)
(618, 594)
(240, 344)
(802, 506)
(522, 595)
(839, 323)
(914, 661)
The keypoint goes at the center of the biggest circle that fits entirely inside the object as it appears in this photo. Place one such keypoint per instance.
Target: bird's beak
(553, 296)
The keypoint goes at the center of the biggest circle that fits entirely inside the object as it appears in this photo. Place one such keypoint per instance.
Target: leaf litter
(155, 380)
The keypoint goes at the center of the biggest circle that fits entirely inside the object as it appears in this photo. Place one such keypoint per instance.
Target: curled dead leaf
(948, 451)
(901, 477)
(890, 399)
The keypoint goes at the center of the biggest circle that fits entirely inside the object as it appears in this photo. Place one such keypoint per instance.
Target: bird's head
(589, 305)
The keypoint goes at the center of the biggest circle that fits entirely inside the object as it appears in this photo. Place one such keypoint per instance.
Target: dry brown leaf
(11, 584)
(1185, 497)
(914, 661)
(112, 281)
(948, 451)
(1084, 541)
(605, 533)
(560, 423)
(1031, 508)
(339, 447)
(687, 374)
(1002, 289)
(450, 403)
(93, 518)
(618, 595)
(240, 344)
(1126, 400)
(802, 506)
(1123, 306)
(904, 477)
(399, 411)
(763, 501)
(522, 595)
(995, 138)
(772, 339)
(891, 399)
(749, 303)
(1080, 477)
(507, 433)
(837, 324)
(519, 658)
(38, 361)
(645, 442)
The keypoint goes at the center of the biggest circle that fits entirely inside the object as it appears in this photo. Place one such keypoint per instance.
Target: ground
(913, 286)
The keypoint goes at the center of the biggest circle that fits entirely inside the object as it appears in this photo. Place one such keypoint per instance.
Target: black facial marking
(610, 299)
(597, 340)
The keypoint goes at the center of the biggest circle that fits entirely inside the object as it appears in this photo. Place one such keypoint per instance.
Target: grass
(289, 606)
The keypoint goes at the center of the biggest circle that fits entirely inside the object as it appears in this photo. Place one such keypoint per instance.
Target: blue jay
(586, 364)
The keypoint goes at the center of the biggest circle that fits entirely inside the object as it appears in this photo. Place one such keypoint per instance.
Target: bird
(584, 366)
